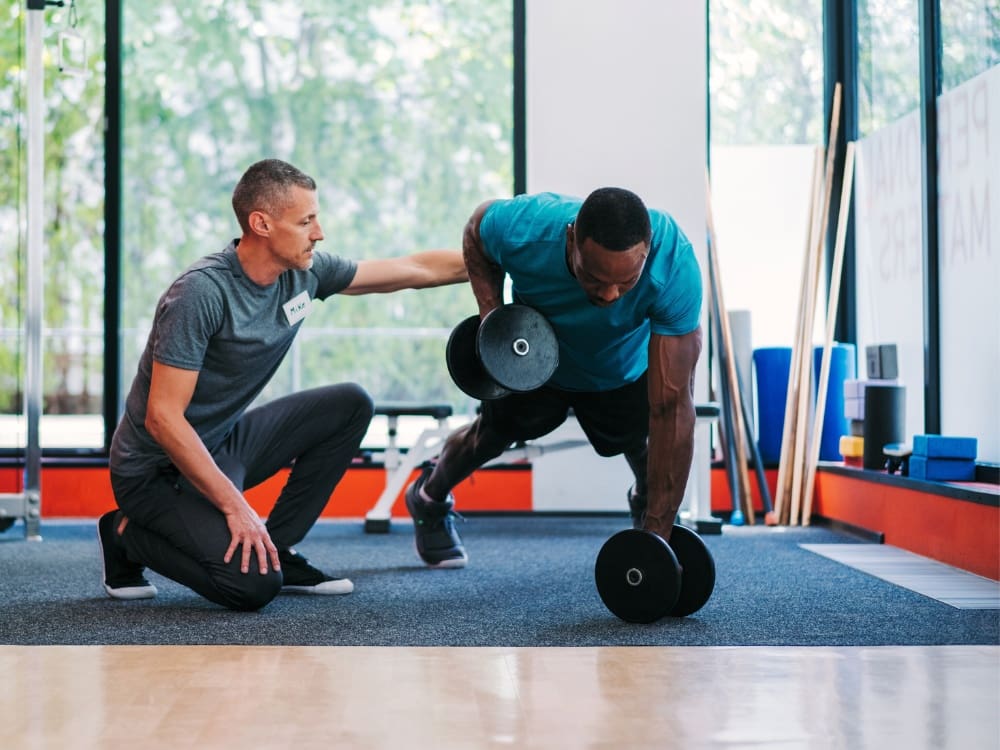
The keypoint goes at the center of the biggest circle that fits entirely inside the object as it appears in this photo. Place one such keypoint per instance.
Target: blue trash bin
(771, 368)
(842, 367)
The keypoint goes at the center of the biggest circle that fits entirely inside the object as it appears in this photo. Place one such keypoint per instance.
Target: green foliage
(402, 112)
(766, 71)
(73, 208)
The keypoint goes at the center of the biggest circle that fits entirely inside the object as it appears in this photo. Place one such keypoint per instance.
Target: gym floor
(365, 697)
(239, 688)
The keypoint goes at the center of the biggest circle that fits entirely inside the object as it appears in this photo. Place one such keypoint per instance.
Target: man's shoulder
(205, 283)
(538, 202)
(536, 217)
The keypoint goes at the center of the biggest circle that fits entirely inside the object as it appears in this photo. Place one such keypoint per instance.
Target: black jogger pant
(180, 534)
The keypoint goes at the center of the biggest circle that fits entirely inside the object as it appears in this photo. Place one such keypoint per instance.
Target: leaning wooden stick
(833, 297)
(783, 485)
(739, 431)
(805, 391)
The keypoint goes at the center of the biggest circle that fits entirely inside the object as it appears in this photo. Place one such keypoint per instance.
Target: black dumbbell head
(697, 571)
(517, 347)
(464, 365)
(637, 576)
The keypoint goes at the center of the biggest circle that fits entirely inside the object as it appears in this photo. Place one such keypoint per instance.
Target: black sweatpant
(174, 530)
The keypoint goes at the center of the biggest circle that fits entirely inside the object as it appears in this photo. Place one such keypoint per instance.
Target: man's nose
(609, 293)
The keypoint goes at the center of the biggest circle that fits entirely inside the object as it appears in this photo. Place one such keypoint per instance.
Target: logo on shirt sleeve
(297, 308)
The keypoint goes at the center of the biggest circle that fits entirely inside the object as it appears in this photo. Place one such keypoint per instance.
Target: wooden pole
(783, 486)
(833, 297)
(805, 391)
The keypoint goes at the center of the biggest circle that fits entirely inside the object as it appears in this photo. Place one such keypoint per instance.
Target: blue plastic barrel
(842, 367)
(771, 367)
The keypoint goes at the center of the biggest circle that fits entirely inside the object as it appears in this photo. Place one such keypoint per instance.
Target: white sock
(425, 496)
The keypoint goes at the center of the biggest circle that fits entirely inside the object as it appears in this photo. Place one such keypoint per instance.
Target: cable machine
(27, 504)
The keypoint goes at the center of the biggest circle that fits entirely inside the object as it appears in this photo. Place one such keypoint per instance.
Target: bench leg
(377, 520)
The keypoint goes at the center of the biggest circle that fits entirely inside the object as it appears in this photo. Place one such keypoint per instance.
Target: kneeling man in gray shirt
(187, 446)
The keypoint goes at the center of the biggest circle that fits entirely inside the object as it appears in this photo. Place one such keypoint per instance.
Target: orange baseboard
(722, 496)
(957, 532)
(85, 492)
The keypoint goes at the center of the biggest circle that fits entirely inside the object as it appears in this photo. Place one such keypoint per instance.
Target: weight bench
(399, 465)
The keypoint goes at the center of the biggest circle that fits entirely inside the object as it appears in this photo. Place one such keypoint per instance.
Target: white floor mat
(947, 584)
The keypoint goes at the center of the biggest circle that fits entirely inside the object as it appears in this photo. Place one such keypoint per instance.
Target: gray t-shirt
(235, 333)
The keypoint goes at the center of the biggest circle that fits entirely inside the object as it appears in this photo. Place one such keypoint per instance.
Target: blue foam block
(942, 469)
(944, 446)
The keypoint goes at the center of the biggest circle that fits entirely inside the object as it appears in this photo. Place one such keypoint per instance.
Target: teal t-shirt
(599, 348)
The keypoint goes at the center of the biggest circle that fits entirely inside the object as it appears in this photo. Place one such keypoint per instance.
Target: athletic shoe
(637, 508)
(299, 577)
(437, 542)
(122, 578)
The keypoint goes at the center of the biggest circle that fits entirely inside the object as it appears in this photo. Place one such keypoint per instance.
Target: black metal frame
(840, 51)
(930, 88)
(112, 216)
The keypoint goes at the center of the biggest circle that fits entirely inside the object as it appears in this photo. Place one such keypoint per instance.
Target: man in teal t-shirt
(621, 287)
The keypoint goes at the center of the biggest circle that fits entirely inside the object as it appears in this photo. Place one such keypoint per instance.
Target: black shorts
(615, 421)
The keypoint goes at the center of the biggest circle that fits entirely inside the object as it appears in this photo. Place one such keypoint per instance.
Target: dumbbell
(513, 349)
(641, 577)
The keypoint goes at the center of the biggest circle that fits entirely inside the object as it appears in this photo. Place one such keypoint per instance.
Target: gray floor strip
(947, 584)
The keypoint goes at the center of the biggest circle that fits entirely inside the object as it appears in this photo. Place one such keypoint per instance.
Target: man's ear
(260, 223)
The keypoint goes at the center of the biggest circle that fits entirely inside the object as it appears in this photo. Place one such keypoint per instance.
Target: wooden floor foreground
(375, 697)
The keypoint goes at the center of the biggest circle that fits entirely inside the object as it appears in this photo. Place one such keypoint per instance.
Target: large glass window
(766, 102)
(73, 206)
(402, 112)
(766, 105)
(969, 222)
(970, 39)
(888, 193)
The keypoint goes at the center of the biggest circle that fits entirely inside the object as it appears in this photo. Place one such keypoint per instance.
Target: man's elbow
(156, 423)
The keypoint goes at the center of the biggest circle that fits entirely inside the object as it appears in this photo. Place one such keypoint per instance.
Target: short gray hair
(265, 186)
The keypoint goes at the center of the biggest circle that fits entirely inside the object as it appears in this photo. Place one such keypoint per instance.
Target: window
(766, 103)
(969, 222)
(888, 193)
(766, 83)
(401, 111)
(73, 206)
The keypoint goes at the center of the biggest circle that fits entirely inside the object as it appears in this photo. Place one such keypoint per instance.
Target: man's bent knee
(247, 592)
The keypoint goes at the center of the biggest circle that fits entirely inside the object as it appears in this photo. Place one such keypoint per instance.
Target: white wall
(616, 96)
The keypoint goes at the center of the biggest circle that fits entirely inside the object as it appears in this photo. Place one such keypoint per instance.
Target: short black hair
(614, 218)
(264, 187)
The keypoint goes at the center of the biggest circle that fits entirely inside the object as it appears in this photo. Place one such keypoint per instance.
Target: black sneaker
(302, 578)
(637, 508)
(122, 578)
(437, 542)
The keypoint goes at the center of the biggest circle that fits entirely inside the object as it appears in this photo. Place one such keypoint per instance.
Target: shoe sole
(123, 592)
(131, 592)
(327, 588)
(451, 562)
